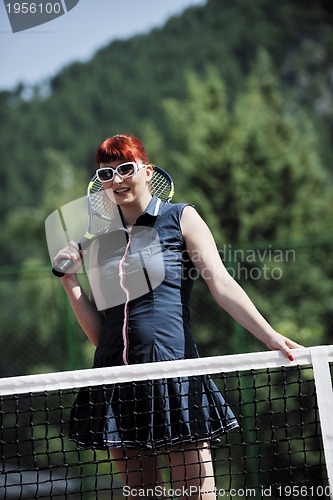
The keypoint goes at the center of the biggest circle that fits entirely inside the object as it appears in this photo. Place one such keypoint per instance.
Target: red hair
(121, 147)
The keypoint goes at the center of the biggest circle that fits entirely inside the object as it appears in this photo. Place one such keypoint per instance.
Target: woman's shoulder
(171, 214)
(175, 208)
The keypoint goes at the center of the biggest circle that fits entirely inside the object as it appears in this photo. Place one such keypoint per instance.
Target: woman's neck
(131, 213)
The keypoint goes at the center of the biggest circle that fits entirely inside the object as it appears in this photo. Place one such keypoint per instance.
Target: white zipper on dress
(126, 306)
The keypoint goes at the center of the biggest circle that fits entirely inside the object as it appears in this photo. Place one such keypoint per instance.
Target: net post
(322, 376)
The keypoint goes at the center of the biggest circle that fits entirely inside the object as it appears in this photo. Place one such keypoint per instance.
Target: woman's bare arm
(84, 309)
(228, 294)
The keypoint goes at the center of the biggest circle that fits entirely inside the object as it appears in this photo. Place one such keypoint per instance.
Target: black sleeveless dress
(146, 278)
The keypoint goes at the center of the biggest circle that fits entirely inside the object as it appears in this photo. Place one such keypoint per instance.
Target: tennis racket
(102, 208)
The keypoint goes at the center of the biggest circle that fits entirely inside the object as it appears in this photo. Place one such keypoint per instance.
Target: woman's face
(128, 190)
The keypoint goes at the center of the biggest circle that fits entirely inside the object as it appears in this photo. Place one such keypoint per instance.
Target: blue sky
(33, 55)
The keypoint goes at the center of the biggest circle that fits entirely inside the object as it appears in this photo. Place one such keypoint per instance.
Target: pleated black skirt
(150, 414)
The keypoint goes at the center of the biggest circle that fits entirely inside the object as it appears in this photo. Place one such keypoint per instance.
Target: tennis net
(283, 447)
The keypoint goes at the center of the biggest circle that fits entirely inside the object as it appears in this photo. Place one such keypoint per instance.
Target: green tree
(47, 337)
(62, 182)
(254, 172)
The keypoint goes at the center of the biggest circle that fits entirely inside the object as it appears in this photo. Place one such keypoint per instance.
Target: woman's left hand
(281, 343)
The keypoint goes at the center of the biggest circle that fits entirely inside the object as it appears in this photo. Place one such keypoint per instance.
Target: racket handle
(62, 267)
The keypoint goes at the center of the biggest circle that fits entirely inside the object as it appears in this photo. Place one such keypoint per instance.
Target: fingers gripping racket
(102, 208)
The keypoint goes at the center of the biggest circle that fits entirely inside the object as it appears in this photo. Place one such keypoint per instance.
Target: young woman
(174, 418)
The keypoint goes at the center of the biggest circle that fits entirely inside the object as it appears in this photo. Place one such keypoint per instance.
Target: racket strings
(102, 205)
(160, 186)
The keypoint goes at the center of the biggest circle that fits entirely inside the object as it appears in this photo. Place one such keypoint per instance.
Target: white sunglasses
(124, 170)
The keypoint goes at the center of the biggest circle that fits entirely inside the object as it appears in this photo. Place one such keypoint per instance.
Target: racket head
(162, 185)
(100, 204)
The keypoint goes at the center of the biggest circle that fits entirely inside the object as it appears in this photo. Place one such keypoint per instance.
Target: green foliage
(44, 324)
(61, 183)
(240, 167)
(124, 83)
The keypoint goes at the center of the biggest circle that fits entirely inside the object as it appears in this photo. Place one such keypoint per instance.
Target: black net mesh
(146, 439)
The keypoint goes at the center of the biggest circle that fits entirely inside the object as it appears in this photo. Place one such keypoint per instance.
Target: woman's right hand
(73, 253)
